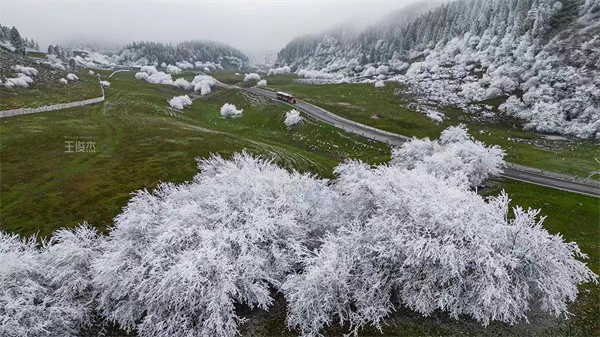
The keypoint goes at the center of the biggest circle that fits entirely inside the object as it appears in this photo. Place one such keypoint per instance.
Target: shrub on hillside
(229, 110)
(455, 154)
(46, 289)
(179, 261)
(179, 102)
(251, 77)
(293, 118)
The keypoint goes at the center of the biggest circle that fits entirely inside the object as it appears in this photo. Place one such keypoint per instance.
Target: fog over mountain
(247, 25)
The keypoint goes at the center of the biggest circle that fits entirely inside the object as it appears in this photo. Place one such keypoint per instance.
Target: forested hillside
(337, 47)
(544, 54)
(153, 53)
(10, 38)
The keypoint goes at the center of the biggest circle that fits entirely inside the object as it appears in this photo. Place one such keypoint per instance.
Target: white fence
(24, 111)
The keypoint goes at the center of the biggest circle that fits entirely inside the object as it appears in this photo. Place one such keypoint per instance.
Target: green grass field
(139, 141)
(384, 109)
(46, 90)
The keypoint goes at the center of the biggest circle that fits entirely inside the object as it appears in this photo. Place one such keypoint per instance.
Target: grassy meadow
(139, 141)
(387, 109)
(45, 89)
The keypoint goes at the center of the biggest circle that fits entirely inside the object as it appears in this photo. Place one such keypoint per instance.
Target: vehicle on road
(286, 97)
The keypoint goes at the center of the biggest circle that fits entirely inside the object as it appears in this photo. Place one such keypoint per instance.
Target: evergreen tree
(16, 41)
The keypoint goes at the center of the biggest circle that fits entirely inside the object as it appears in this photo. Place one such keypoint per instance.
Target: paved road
(515, 172)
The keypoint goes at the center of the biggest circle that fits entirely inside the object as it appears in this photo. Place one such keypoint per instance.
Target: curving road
(515, 172)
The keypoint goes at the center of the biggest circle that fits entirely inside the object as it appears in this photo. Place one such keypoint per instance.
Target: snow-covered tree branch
(350, 250)
(455, 154)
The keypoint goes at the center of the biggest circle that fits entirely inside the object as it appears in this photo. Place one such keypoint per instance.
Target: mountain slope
(544, 54)
(153, 53)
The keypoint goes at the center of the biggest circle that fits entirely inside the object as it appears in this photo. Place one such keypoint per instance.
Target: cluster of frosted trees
(11, 38)
(200, 53)
(554, 86)
(545, 54)
(200, 83)
(252, 77)
(455, 155)
(23, 78)
(181, 259)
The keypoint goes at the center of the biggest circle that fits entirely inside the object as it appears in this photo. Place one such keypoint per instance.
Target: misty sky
(248, 25)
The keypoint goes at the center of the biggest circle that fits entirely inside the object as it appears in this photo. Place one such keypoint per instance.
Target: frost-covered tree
(188, 54)
(467, 51)
(16, 40)
(179, 102)
(293, 118)
(173, 70)
(251, 77)
(46, 290)
(203, 84)
(179, 259)
(455, 154)
(229, 110)
(412, 239)
(280, 70)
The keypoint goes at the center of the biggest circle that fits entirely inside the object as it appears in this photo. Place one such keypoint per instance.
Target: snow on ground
(72, 77)
(54, 62)
(7, 45)
(29, 71)
(63, 81)
(22, 81)
(105, 83)
(23, 78)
